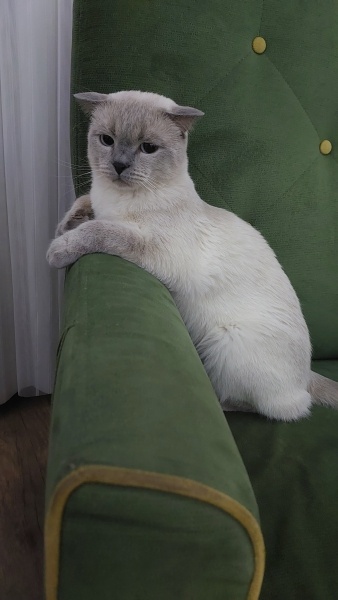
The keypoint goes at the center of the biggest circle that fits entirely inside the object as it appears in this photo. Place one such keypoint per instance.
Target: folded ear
(89, 100)
(184, 116)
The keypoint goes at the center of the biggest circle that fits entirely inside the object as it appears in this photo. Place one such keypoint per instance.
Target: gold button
(259, 45)
(325, 147)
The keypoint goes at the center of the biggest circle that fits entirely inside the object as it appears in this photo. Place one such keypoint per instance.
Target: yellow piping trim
(150, 481)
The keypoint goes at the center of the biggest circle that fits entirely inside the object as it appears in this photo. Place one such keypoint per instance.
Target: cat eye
(106, 140)
(148, 148)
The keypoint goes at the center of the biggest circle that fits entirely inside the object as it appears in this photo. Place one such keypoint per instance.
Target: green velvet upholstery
(293, 468)
(256, 152)
(131, 393)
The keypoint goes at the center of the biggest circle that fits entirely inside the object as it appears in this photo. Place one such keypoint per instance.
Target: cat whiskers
(87, 171)
(149, 185)
(99, 174)
(64, 163)
(146, 185)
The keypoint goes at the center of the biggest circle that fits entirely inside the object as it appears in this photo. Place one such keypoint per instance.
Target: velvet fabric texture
(131, 393)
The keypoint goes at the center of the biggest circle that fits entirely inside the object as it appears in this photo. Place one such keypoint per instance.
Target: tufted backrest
(265, 74)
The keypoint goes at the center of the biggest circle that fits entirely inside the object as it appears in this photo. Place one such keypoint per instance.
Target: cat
(238, 304)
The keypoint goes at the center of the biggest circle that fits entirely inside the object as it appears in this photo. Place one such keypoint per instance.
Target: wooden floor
(24, 426)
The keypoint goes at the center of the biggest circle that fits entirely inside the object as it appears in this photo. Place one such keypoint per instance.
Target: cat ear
(89, 100)
(184, 116)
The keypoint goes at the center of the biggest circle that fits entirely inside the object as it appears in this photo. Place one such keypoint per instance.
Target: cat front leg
(97, 236)
(80, 212)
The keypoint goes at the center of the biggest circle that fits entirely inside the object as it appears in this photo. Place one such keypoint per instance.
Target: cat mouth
(122, 182)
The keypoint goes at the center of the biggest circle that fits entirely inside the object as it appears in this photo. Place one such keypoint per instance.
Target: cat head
(137, 138)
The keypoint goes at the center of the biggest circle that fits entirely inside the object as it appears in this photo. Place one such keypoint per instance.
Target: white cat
(238, 304)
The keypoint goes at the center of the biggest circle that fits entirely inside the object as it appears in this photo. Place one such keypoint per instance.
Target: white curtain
(35, 186)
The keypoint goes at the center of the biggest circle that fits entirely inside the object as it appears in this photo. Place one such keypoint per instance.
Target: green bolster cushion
(147, 496)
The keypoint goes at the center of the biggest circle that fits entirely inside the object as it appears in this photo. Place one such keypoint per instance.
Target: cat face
(137, 138)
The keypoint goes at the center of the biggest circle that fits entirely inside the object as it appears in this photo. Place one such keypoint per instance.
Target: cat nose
(119, 167)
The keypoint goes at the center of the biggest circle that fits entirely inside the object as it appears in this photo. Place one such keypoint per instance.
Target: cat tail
(323, 391)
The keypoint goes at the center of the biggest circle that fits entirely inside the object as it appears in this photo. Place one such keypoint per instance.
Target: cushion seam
(211, 185)
(260, 23)
(267, 208)
(223, 78)
(294, 93)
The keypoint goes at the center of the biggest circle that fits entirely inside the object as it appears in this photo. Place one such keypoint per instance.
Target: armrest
(146, 489)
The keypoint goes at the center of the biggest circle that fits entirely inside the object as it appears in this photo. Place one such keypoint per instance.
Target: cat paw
(76, 219)
(81, 212)
(59, 253)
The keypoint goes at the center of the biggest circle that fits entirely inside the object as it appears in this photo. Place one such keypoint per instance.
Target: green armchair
(151, 492)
